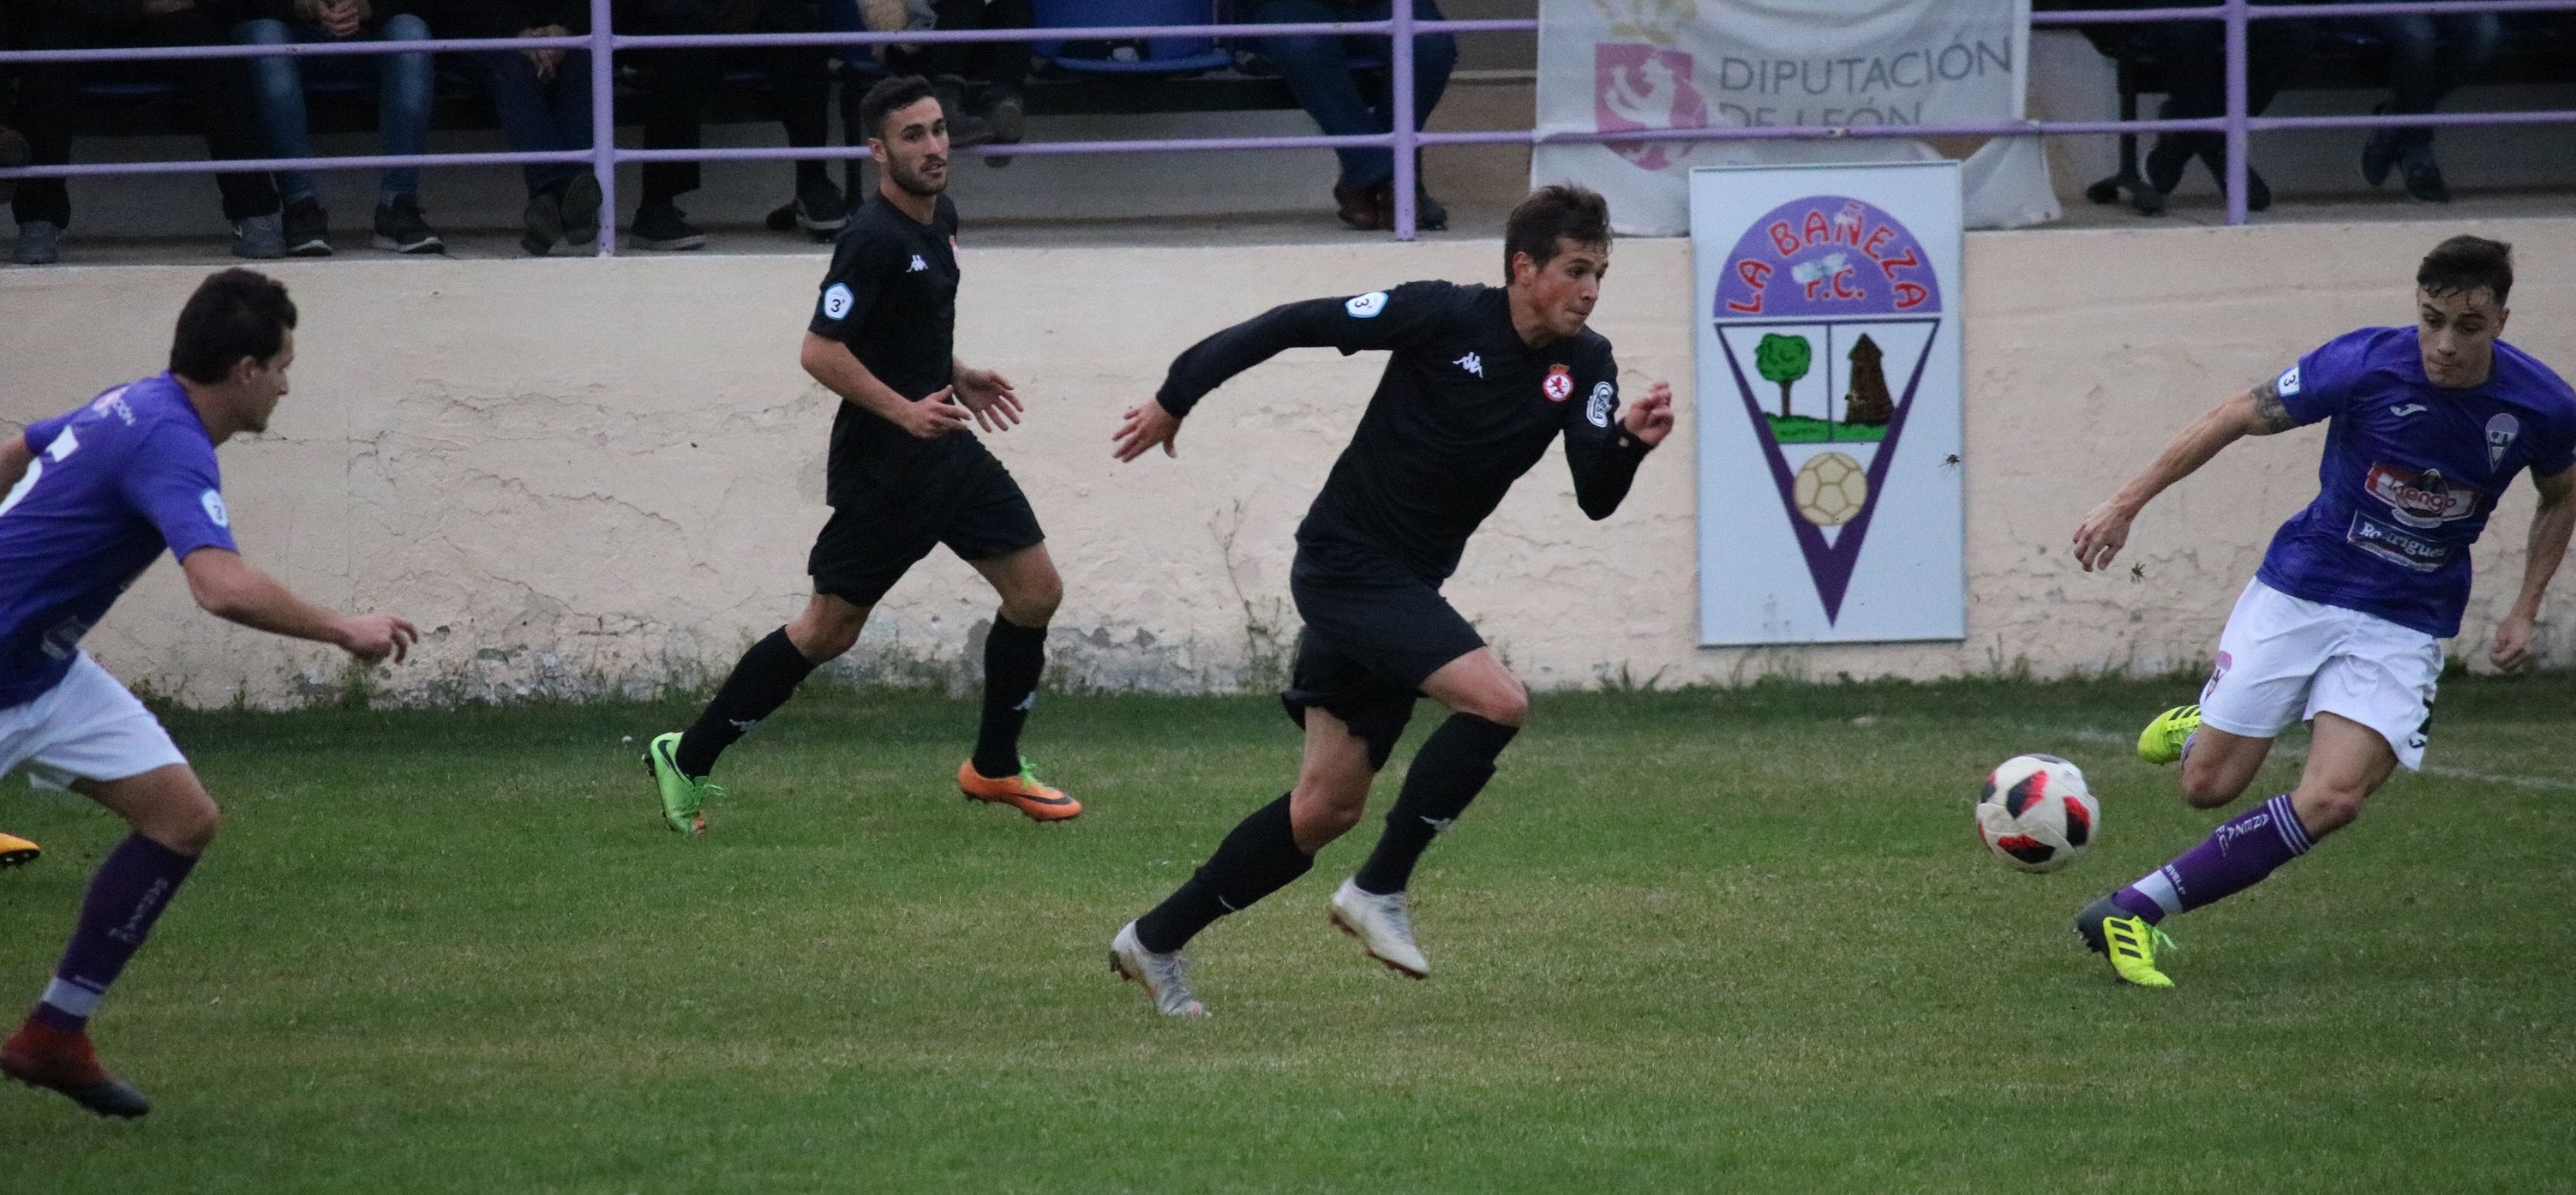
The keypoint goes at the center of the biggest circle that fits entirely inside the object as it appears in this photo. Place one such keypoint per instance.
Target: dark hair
(2466, 263)
(890, 93)
(234, 314)
(1563, 212)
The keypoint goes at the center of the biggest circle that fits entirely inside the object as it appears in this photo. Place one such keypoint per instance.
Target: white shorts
(2284, 659)
(85, 728)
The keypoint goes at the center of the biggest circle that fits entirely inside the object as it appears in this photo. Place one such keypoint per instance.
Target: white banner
(1619, 65)
(1829, 314)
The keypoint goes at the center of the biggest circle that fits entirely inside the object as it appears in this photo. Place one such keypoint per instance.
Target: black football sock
(1014, 655)
(1257, 858)
(1452, 767)
(762, 681)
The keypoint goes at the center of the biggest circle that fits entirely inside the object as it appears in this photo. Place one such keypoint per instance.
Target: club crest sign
(1829, 321)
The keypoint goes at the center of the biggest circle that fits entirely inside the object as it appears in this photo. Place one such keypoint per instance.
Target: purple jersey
(113, 483)
(2411, 472)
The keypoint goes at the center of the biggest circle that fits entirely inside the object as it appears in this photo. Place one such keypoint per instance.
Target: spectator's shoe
(1362, 208)
(260, 238)
(819, 208)
(2213, 154)
(581, 199)
(308, 229)
(965, 129)
(1008, 116)
(541, 223)
(41, 1056)
(400, 228)
(17, 852)
(2165, 162)
(1428, 214)
(2424, 178)
(661, 226)
(2379, 154)
(39, 244)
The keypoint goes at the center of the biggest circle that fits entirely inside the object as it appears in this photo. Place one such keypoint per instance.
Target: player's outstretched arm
(830, 362)
(1382, 319)
(227, 587)
(2547, 549)
(2105, 531)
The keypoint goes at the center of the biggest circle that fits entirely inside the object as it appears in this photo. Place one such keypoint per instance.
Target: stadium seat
(1129, 56)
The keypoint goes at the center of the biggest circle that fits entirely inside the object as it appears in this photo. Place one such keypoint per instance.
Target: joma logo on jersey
(2425, 499)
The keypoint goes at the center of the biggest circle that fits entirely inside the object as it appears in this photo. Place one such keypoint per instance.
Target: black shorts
(1372, 637)
(879, 530)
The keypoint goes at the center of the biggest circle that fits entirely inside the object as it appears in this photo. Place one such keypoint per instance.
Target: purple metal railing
(1401, 27)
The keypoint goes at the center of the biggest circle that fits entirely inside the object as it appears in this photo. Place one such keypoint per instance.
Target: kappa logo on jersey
(1471, 363)
(214, 504)
(917, 265)
(2408, 409)
(2288, 383)
(1559, 385)
(2500, 433)
(2425, 499)
(837, 301)
(1366, 306)
(1597, 408)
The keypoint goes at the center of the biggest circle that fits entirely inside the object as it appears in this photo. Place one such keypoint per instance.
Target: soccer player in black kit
(905, 475)
(1480, 381)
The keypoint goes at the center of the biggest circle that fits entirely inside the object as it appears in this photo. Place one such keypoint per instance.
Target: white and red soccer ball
(2036, 813)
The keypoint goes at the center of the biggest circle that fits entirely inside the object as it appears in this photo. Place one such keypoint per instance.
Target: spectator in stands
(979, 83)
(218, 100)
(1321, 70)
(403, 86)
(2427, 57)
(2193, 55)
(677, 83)
(13, 144)
(542, 98)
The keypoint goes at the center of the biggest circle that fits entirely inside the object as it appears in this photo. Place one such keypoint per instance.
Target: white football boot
(1383, 927)
(1160, 973)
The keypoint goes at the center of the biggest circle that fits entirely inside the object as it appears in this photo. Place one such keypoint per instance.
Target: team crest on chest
(1559, 385)
(2500, 433)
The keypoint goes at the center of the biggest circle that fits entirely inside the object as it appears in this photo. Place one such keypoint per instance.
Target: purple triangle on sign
(1830, 565)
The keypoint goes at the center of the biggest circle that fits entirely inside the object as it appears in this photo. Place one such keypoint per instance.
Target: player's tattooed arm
(2270, 416)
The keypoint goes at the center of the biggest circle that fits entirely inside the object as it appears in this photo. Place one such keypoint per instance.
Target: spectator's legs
(1318, 70)
(45, 117)
(520, 101)
(277, 91)
(221, 94)
(404, 83)
(672, 108)
(2428, 57)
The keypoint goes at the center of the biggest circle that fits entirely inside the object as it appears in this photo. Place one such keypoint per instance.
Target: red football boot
(39, 1055)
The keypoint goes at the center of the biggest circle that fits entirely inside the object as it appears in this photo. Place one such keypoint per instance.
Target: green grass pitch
(1731, 941)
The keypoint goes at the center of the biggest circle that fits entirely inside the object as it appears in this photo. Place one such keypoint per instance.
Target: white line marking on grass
(2299, 754)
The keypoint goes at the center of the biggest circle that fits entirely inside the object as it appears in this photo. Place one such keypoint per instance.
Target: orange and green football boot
(2162, 741)
(684, 797)
(2127, 940)
(1023, 792)
(15, 850)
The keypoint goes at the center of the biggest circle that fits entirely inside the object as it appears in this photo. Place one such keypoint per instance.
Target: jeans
(541, 115)
(2430, 55)
(1319, 70)
(2194, 55)
(402, 111)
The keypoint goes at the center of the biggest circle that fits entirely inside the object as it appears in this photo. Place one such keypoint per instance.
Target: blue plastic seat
(1129, 56)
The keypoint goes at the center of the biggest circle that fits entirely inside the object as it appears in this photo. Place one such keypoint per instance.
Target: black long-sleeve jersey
(1465, 407)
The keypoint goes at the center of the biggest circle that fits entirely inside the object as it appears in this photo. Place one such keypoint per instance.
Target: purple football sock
(2235, 857)
(126, 896)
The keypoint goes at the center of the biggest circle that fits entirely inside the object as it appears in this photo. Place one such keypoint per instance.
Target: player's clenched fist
(1652, 418)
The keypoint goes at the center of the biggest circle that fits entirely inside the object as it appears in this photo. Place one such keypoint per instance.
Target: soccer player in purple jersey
(94, 496)
(2343, 624)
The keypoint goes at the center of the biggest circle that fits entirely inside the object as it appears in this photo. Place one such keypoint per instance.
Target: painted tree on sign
(1783, 359)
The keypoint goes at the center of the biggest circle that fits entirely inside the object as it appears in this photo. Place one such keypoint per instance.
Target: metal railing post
(2238, 137)
(1405, 215)
(603, 125)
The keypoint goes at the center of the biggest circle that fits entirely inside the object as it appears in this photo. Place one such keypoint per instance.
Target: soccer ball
(2036, 813)
(1831, 489)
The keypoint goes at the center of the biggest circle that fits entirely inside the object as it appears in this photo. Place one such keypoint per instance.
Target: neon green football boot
(2129, 942)
(2162, 741)
(683, 799)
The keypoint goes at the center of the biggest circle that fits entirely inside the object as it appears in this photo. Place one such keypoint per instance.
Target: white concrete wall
(590, 475)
